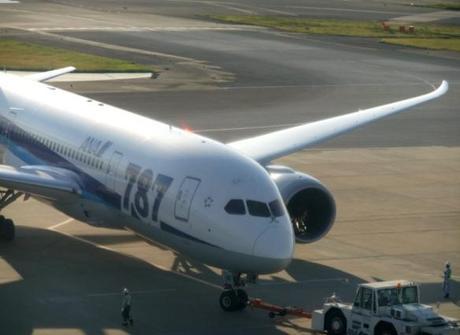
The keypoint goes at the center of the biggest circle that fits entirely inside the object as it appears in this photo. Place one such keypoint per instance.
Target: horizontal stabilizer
(43, 76)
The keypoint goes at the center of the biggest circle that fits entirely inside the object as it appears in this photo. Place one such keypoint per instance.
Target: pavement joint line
(60, 224)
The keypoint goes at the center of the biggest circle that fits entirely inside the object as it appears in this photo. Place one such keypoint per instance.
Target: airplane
(223, 204)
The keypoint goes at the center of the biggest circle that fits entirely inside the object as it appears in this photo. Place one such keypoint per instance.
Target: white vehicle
(222, 204)
(383, 308)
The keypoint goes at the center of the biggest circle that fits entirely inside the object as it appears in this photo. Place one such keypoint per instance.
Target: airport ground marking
(61, 224)
(135, 292)
(210, 130)
(306, 281)
(184, 275)
(170, 270)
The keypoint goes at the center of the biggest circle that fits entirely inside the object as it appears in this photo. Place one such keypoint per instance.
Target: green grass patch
(357, 28)
(437, 36)
(447, 6)
(17, 55)
(452, 44)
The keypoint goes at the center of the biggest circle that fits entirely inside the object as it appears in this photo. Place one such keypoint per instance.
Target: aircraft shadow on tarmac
(68, 284)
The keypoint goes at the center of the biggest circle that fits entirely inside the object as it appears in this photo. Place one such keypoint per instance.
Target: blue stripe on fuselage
(32, 152)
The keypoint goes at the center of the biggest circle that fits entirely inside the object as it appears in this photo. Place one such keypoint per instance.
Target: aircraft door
(9, 126)
(112, 171)
(184, 198)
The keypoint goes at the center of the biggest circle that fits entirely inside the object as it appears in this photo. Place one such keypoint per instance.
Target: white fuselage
(165, 183)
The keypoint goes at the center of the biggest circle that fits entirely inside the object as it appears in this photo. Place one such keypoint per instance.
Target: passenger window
(235, 206)
(257, 208)
(276, 208)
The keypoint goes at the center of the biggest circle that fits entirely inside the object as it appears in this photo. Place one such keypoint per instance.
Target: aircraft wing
(43, 76)
(265, 148)
(43, 181)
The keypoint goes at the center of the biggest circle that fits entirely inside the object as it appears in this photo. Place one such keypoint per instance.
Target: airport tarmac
(398, 215)
(396, 183)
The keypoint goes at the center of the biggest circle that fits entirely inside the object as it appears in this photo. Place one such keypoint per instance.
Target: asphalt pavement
(396, 183)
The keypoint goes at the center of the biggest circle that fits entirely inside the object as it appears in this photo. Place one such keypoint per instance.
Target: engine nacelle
(310, 204)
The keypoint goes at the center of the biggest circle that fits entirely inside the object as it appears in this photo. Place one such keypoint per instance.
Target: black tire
(8, 230)
(228, 301)
(386, 329)
(335, 323)
(242, 298)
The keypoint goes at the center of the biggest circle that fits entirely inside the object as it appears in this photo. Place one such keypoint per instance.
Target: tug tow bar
(274, 310)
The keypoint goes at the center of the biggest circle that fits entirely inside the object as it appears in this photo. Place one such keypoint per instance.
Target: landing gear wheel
(242, 299)
(336, 324)
(227, 300)
(233, 300)
(7, 231)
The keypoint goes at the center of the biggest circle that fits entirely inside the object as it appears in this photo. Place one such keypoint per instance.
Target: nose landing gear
(234, 298)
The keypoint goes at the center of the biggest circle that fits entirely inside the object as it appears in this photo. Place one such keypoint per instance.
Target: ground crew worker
(446, 284)
(126, 307)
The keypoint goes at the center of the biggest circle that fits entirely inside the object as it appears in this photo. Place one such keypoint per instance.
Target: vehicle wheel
(336, 324)
(242, 298)
(8, 230)
(386, 330)
(228, 301)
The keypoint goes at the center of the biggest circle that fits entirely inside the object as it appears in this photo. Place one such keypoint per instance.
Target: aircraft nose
(276, 246)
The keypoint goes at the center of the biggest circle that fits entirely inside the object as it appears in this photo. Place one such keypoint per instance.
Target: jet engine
(310, 205)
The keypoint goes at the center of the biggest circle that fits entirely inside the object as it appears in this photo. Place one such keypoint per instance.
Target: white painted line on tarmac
(184, 275)
(210, 130)
(172, 271)
(108, 294)
(307, 281)
(148, 29)
(61, 224)
(84, 240)
(5, 2)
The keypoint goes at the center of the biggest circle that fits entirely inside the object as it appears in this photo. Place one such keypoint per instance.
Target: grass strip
(447, 6)
(427, 43)
(435, 34)
(358, 28)
(18, 55)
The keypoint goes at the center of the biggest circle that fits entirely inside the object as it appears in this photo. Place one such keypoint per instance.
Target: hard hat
(125, 291)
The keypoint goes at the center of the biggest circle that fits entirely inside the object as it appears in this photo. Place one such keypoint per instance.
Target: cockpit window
(236, 207)
(257, 208)
(276, 208)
